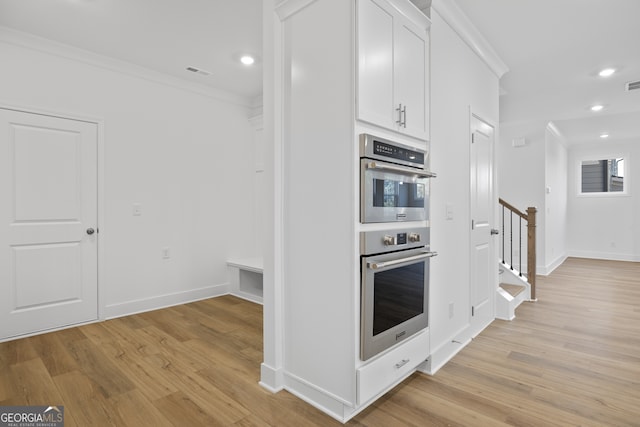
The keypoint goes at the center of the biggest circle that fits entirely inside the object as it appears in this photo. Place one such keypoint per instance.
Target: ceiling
(162, 35)
(553, 49)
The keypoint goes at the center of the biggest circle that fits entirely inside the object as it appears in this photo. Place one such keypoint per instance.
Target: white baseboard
(548, 269)
(271, 378)
(157, 302)
(446, 351)
(610, 256)
(328, 403)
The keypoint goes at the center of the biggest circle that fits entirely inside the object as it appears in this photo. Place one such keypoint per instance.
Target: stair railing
(507, 226)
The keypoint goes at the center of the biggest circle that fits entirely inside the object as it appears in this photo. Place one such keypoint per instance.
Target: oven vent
(632, 85)
(199, 71)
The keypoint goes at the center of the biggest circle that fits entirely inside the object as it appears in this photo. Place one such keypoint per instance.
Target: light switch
(137, 209)
(449, 211)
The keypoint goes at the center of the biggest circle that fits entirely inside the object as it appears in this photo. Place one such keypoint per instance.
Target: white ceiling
(163, 35)
(553, 49)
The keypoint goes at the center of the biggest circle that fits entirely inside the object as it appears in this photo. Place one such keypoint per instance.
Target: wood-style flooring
(570, 359)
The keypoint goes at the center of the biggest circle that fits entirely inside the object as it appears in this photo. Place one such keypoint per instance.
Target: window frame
(626, 187)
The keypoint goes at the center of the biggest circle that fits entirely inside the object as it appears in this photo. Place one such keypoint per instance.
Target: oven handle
(379, 265)
(401, 169)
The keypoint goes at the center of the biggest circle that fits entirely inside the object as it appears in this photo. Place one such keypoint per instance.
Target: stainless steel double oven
(394, 261)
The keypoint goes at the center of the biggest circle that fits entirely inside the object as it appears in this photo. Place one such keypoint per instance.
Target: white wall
(606, 227)
(184, 156)
(555, 213)
(459, 79)
(521, 177)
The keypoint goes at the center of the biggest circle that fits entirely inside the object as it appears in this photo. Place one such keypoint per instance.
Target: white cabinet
(320, 72)
(392, 69)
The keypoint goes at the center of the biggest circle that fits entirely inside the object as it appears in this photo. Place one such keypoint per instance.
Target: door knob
(90, 231)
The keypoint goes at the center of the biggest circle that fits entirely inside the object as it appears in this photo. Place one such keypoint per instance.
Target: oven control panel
(372, 242)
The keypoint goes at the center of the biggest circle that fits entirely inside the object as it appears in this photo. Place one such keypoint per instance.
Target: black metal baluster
(520, 240)
(503, 260)
(511, 239)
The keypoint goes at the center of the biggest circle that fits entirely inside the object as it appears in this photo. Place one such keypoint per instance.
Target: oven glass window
(397, 194)
(398, 295)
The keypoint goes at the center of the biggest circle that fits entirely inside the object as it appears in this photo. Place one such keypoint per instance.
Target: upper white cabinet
(392, 69)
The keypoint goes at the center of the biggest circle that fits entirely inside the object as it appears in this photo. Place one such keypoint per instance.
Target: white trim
(163, 301)
(551, 127)
(327, 402)
(271, 379)
(609, 256)
(447, 350)
(288, 8)
(29, 41)
(548, 269)
(462, 25)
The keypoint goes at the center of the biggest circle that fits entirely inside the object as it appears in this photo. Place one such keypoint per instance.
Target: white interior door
(483, 264)
(48, 222)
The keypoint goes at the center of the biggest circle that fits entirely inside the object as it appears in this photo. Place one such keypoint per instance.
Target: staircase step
(513, 290)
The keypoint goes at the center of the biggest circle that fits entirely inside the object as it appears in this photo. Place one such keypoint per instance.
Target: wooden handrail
(530, 217)
(512, 209)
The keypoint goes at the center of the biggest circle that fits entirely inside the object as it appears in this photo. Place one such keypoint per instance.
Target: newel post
(531, 249)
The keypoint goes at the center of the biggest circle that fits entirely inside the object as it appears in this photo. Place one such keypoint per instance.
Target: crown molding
(553, 129)
(40, 44)
(287, 8)
(462, 25)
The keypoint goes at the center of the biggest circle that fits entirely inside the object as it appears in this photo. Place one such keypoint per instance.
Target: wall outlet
(450, 310)
(166, 253)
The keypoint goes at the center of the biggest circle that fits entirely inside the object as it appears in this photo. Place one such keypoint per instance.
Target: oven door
(394, 298)
(390, 192)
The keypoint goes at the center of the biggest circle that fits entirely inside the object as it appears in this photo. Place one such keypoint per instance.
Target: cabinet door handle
(401, 363)
(399, 110)
(404, 117)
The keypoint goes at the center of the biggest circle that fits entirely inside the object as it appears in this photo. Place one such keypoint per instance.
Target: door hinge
(473, 311)
(473, 224)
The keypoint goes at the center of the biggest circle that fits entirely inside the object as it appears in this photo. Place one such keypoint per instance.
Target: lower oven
(394, 299)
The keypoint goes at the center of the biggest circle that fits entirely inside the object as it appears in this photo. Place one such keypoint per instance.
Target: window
(603, 176)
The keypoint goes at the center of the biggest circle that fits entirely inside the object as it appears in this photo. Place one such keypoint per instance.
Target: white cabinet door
(48, 223)
(410, 55)
(375, 97)
(392, 84)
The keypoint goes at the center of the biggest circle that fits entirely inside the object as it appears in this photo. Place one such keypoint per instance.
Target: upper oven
(394, 185)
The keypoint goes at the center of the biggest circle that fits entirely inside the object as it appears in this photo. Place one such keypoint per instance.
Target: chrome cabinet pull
(404, 117)
(401, 363)
(399, 110)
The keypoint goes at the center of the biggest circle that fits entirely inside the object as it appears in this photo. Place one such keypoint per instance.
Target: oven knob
(414, 237)
(389, 240)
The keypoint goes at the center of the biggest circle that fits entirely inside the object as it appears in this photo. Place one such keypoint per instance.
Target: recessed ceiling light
(607, 72)
(604, 135)
(596, 107)
(247, 60)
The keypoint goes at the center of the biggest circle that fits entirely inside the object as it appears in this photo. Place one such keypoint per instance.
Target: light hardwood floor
(572, 358)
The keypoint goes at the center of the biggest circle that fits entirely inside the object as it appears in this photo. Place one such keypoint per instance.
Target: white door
(483, 262)
(48, 222)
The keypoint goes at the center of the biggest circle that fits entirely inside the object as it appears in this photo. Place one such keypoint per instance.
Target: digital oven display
(398, 153)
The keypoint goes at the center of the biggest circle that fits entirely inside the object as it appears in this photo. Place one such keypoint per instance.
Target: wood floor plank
(84, 402)
(572, 358)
